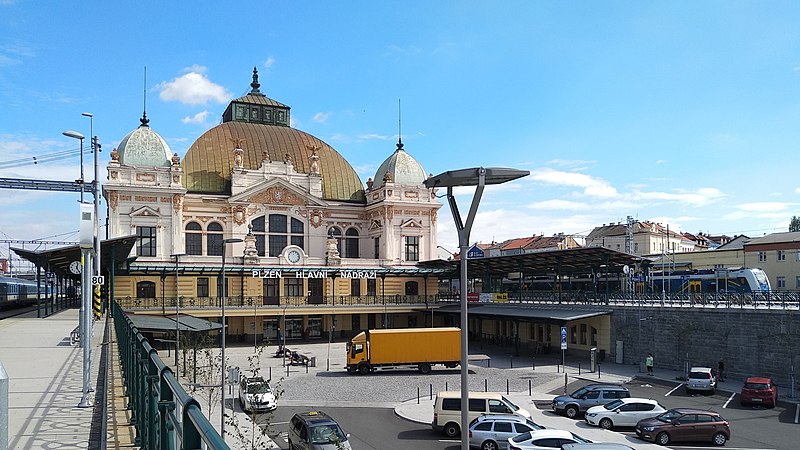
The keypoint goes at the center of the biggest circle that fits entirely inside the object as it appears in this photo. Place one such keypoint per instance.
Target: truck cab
(357, 359)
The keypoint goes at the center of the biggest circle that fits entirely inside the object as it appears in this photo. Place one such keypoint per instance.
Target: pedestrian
(648, 362)
(720, 369)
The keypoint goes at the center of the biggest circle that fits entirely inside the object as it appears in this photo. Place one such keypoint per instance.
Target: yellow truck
(419, 348)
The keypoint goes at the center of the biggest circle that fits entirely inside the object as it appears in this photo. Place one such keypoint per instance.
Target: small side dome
(402, 168)
(144, 147)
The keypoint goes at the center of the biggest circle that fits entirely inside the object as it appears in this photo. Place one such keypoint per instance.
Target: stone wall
(752, 342)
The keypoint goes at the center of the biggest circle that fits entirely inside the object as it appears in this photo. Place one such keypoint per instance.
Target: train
(19, 291)
(736, 280)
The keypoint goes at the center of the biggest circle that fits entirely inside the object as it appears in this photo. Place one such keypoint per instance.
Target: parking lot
(752, 427)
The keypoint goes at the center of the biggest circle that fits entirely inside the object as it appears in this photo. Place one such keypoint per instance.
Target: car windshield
(258, 388)
(522, 437)
(509, 402)
(326, 434)
(613, 405)
(534, 425)
(669, 416)
(579, 439)
(757, 386)
(701, 375)
(579, 393)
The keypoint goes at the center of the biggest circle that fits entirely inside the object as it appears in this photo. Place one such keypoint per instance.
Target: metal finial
(255, 84)
(144, 120)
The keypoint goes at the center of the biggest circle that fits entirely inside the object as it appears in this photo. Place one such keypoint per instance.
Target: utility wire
(35, 160)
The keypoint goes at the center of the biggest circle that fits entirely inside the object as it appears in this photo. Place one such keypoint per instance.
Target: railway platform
(45, 372)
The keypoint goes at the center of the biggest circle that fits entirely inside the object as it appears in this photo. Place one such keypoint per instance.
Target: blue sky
(685, 113)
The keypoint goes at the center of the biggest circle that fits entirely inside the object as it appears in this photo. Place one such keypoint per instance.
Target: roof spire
(399, 127)
(144, 120)
(255, 84)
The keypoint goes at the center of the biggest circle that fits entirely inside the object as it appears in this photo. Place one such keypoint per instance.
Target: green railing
(164, 415)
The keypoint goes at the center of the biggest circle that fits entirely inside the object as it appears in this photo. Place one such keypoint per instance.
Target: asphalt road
(369, 428)
(751, 427)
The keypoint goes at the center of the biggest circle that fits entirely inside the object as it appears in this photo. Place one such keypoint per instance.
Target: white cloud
(269, 62)
(549, 205)
(321, 117)
(661, 161)
(197, 118)
(765, 206)
(193, 88)
(573, 163)
(195, 68)
(593, 187)
(702, 197)
(374, 136)
(340, 138)
(797, 190)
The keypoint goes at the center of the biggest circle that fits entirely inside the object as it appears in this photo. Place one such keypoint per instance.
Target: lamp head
(87, 114)
(73, 134)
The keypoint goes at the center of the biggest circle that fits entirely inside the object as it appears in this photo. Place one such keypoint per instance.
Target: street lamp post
(177, 313)
(95, 145)
(478, 177)
(224, 331)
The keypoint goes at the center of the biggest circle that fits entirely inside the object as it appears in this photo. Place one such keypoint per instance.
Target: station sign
(312, 273)
(98, 279)
(473, 297)
(475, 252)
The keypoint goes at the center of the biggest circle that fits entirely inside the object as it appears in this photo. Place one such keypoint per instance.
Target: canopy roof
(58, 260)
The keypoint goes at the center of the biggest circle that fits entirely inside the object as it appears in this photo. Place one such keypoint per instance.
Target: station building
(283, 215)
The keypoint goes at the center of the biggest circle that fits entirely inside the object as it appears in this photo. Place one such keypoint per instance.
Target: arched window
(412, 288)
(194, 239)
(280, 230)
(214, 239)
(336, 233)
(145, 289)
(351, 243)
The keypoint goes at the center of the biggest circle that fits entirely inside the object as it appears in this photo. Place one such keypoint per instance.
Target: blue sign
(475, 252)
(563, 338)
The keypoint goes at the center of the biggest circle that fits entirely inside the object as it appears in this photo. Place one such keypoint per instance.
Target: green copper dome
(402, 168)
(144, 147)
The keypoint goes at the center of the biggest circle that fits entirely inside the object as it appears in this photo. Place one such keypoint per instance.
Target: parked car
(596, 446)
(684, 424)
(625, 412)
(760, 391)
(701, 379)
(256, 395)
(315, 430)
(491, 431)
(588, 396)
(544, 440)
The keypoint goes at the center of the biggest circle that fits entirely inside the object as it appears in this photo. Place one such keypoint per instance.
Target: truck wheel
(425, 368)
(451, 365)
(451, 430)
(363, 369)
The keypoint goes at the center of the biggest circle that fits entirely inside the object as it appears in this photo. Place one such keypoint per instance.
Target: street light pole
(478, 177)
(96, 192)
(224, 331)
(177, 313)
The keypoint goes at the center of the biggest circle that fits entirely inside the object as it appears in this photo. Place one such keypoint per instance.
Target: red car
(761, 391)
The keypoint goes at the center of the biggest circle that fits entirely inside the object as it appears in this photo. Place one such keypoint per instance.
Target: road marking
(673, 390)
(450, 441)
(729, 400)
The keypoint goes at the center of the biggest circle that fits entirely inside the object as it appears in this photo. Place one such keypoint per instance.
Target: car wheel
(571, 411)
(606, 423)
(489, 445)
(662, 438)
(363, 369)
(719, 439)
(688, 391)
(451, 430)
(424, 368)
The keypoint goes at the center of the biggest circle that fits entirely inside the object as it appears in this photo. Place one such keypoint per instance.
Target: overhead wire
(35, 160)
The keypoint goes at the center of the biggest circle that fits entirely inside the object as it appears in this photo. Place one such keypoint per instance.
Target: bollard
(270, 372)
(445, 386)
(534, 363)
(430, 395)
(306, 367)
(598, 371)
(579, 368)
(418, 395)
(511, 361)
(565, 383)
(506, 386)
(489, 363)
(485, 385)
(287, 370)
(558, 367)
(328, 365)
(529, 388)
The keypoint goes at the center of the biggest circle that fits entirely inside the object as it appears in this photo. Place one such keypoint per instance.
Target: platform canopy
(58, 260)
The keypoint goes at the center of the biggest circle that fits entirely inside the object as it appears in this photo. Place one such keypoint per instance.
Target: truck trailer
(419, 348)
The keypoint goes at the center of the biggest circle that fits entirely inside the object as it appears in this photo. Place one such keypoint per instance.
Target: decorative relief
(165, 199)
(176, 178)
(113, 199)
(389, 213)
(125, 197)
(411, 212)
(251, 211)
(376, 196)
(176, 160)
(434, 215)
(412, 194)
(313, 159)
(114, 174)
(279, 208)
(302, 212)
(315, 218)
(177, 200)
(145, 177)
(239, 214)
(143, 198)
(277, 195)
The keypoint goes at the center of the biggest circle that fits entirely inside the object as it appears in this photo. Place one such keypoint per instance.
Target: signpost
(475, 252)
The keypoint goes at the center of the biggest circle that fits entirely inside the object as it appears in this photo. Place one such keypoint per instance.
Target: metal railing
(277, 302)
(163, 414)
(751, 300)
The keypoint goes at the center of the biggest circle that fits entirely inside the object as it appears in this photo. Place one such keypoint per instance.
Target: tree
(794, 225)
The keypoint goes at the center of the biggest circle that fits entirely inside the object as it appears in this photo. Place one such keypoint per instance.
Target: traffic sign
(50, 275)
(563, 338)
(98, 279)
(475, 252)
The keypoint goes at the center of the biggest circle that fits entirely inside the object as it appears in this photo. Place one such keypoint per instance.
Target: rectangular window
(573, 334)
(412, 248)
(355, 323)
(377, 247)
(780, 255)
(762, 256)
(798, 255)
(781, 282)
(202, 287)
(583, 333)
(145, 241)
(194, 244)
(293, 287)
(277, 242)
(797, 282)
(219, 286)
(372, 287)
(355, 287)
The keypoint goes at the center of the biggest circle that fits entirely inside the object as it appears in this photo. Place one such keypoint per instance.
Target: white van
(447, 409)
